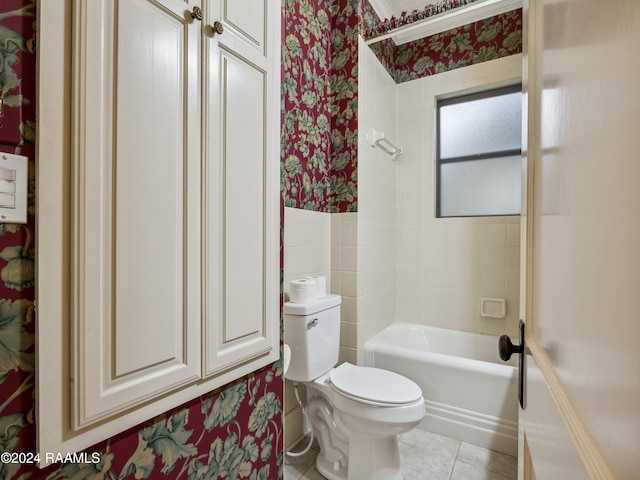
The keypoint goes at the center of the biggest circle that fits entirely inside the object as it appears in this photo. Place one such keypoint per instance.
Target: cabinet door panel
(241, 185)
(136, 246)
(149, 189)
(250, 27)
(244, 166)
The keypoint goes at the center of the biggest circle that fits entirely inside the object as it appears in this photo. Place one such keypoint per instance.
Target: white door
(582, 391)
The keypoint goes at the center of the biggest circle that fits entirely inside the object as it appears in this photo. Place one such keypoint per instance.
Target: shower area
(391, 259)
(433, 271)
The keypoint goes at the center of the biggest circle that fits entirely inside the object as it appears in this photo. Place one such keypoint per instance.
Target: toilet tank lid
(313, 306)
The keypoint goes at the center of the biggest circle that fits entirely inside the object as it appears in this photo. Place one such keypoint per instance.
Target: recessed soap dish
(493, 307)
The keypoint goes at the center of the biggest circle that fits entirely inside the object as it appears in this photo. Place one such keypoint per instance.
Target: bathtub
(470, 394)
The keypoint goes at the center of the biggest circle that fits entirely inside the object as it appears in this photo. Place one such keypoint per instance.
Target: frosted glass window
(496, 181)
(478, 154)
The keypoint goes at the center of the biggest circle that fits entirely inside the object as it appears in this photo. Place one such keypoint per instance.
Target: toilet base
(370, 458)
(349, 455)
(374, 457)
(327, 469)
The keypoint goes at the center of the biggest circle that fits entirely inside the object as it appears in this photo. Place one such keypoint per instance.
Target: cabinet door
(241, 184)
(136, 196)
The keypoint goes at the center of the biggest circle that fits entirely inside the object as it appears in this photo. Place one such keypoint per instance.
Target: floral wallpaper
(235, 432)
(17, 272)
(320, 91)
(372, 27)
(320, 71)
(306, 128)
(344, 106)
(487, 39)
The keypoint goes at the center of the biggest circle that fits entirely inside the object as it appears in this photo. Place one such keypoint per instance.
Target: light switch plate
(13, 188)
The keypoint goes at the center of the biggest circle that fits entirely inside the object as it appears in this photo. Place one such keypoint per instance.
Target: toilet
(356, 413)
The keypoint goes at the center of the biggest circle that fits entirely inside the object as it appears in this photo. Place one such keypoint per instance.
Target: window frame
(463, 98)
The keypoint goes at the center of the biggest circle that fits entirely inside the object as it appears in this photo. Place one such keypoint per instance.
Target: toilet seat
(374, 386)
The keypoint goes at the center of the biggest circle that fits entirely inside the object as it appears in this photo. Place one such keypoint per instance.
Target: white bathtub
(470, 394)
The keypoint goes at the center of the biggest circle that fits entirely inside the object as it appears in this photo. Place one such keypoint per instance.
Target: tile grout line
(455, 459)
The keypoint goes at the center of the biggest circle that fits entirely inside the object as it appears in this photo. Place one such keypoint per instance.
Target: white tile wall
(307, 245)
(376, 276)
(344, 228)
(445, 266)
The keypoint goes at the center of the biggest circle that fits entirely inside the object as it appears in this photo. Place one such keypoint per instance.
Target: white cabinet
(170, 154)
(241, 138)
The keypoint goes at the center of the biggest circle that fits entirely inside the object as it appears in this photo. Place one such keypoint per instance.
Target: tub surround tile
(513, 282)
(494, 280)
(513, 257)
(347, 354)
(513, 234)
(494, 326)
(471, 257)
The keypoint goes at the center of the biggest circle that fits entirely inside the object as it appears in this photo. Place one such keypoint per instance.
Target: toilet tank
(312, 331)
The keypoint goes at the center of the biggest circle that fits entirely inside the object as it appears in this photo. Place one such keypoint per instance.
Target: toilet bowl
(357, 413)
(375, 401)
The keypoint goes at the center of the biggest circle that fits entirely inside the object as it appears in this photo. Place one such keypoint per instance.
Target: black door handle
(506, 349)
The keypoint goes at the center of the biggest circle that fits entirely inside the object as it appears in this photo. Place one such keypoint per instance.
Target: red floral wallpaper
(235, 432)
(306, 129)
(344, 106)
(17, 272)
(320, 71)
(477, 42)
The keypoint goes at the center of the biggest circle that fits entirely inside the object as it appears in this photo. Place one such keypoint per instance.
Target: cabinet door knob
(196, 13)
(218, 28)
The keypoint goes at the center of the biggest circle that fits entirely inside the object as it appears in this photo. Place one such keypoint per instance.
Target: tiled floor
(427, 456)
